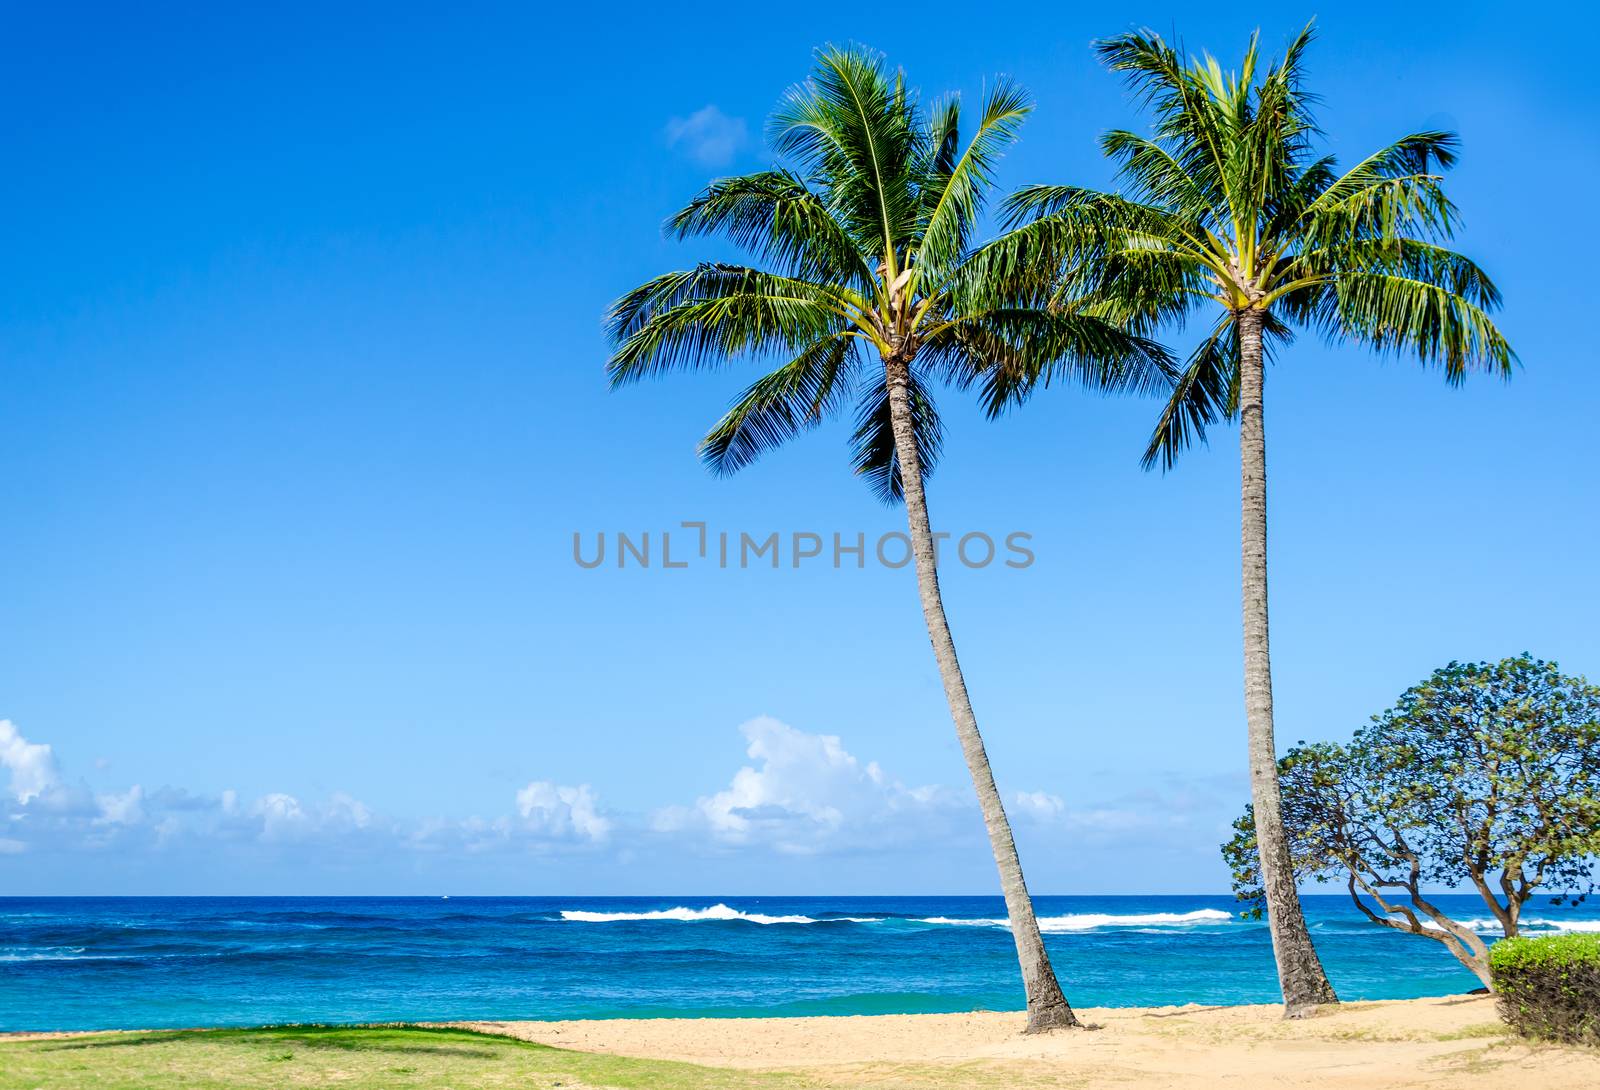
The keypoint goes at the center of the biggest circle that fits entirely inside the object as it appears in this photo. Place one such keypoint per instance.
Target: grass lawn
(348, 1057)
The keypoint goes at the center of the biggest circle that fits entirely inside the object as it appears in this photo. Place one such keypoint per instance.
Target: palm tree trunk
(1047, 1006)
(1300, 974)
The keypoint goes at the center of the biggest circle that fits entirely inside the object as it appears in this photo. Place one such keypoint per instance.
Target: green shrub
(1550, 987)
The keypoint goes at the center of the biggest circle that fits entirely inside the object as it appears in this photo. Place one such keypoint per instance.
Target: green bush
(1550, 987)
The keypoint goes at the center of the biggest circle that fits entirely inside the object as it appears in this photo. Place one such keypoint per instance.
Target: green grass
(347, 1057)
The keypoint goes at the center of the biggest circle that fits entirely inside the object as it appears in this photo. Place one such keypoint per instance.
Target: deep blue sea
(96, 963)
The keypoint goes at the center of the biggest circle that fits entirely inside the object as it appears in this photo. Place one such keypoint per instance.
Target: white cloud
(799, 794)
(126, 808)
(1039, 805)
(558, 811)
(32, 766)
(708, 136)
(795, 794)
(278, 817)
(1101, 821)
(807, 794)
(50, 815)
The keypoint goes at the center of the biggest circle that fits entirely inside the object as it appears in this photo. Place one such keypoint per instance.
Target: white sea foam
(1088, 921)
(692, 915)
(1482, 925)
(1534, 925)
(1489, 926)
(63, 953)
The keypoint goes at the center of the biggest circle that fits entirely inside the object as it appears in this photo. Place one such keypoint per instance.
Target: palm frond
(781, 404)
(1397, 314)
(1009, 352)
(1412, 205)
(1419, 154)
(1159, 177)
(1207, 390)
(1191, 116)
(775, 216)
(858, 129)
(873, 442)
(714, 312)
(958, 195)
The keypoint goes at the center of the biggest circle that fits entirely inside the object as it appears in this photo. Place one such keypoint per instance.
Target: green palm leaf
(876, 459)
(715, 312)
(781, 404)
(958, 194)
(774, 216)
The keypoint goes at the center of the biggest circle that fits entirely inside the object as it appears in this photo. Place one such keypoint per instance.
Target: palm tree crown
(1228, 203)
(866, 243)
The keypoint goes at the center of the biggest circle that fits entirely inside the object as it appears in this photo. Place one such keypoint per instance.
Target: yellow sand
(1438, 1043)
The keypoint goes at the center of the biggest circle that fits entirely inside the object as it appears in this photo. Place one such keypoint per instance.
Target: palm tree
(866, 248)
(1229, 210)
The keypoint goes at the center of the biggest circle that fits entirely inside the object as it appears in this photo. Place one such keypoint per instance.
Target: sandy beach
(1443, 1043)
(1447, 1043)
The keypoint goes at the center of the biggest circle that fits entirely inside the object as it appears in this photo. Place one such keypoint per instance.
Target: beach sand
(1443, 1043)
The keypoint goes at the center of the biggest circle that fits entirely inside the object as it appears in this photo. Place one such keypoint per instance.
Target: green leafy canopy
(1484, 776)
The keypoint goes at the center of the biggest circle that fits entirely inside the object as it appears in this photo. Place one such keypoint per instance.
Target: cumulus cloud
(558, 811)
(32, 766)
(795, 794)
(708, 136)
(1039, 805)
(806, 793)
(280, 818)
(47, 814)
(122, 808)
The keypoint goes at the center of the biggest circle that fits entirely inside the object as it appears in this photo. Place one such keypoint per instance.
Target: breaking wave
(1089, 921)
(1081, 921)
(693, 915)
(1537, 924)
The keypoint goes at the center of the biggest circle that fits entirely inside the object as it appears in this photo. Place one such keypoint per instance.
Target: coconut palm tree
(869, 289)
(1229, 210)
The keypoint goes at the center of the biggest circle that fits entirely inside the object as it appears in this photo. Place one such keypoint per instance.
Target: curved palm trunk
(1047, 1006)
(1300, 975)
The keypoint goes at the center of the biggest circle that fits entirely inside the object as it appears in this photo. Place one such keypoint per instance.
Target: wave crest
(1539, 925)
(721, 912)
(1088, 921)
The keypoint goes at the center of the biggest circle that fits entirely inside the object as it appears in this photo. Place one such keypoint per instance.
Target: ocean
(101, 963)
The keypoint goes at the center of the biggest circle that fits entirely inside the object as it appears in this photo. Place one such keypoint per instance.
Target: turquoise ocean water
(95, 963)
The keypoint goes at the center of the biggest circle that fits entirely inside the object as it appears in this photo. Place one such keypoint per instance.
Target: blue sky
(300, 367)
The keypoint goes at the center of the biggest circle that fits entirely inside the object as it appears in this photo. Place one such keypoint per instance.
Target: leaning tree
(1485, 776)
(869, 290)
